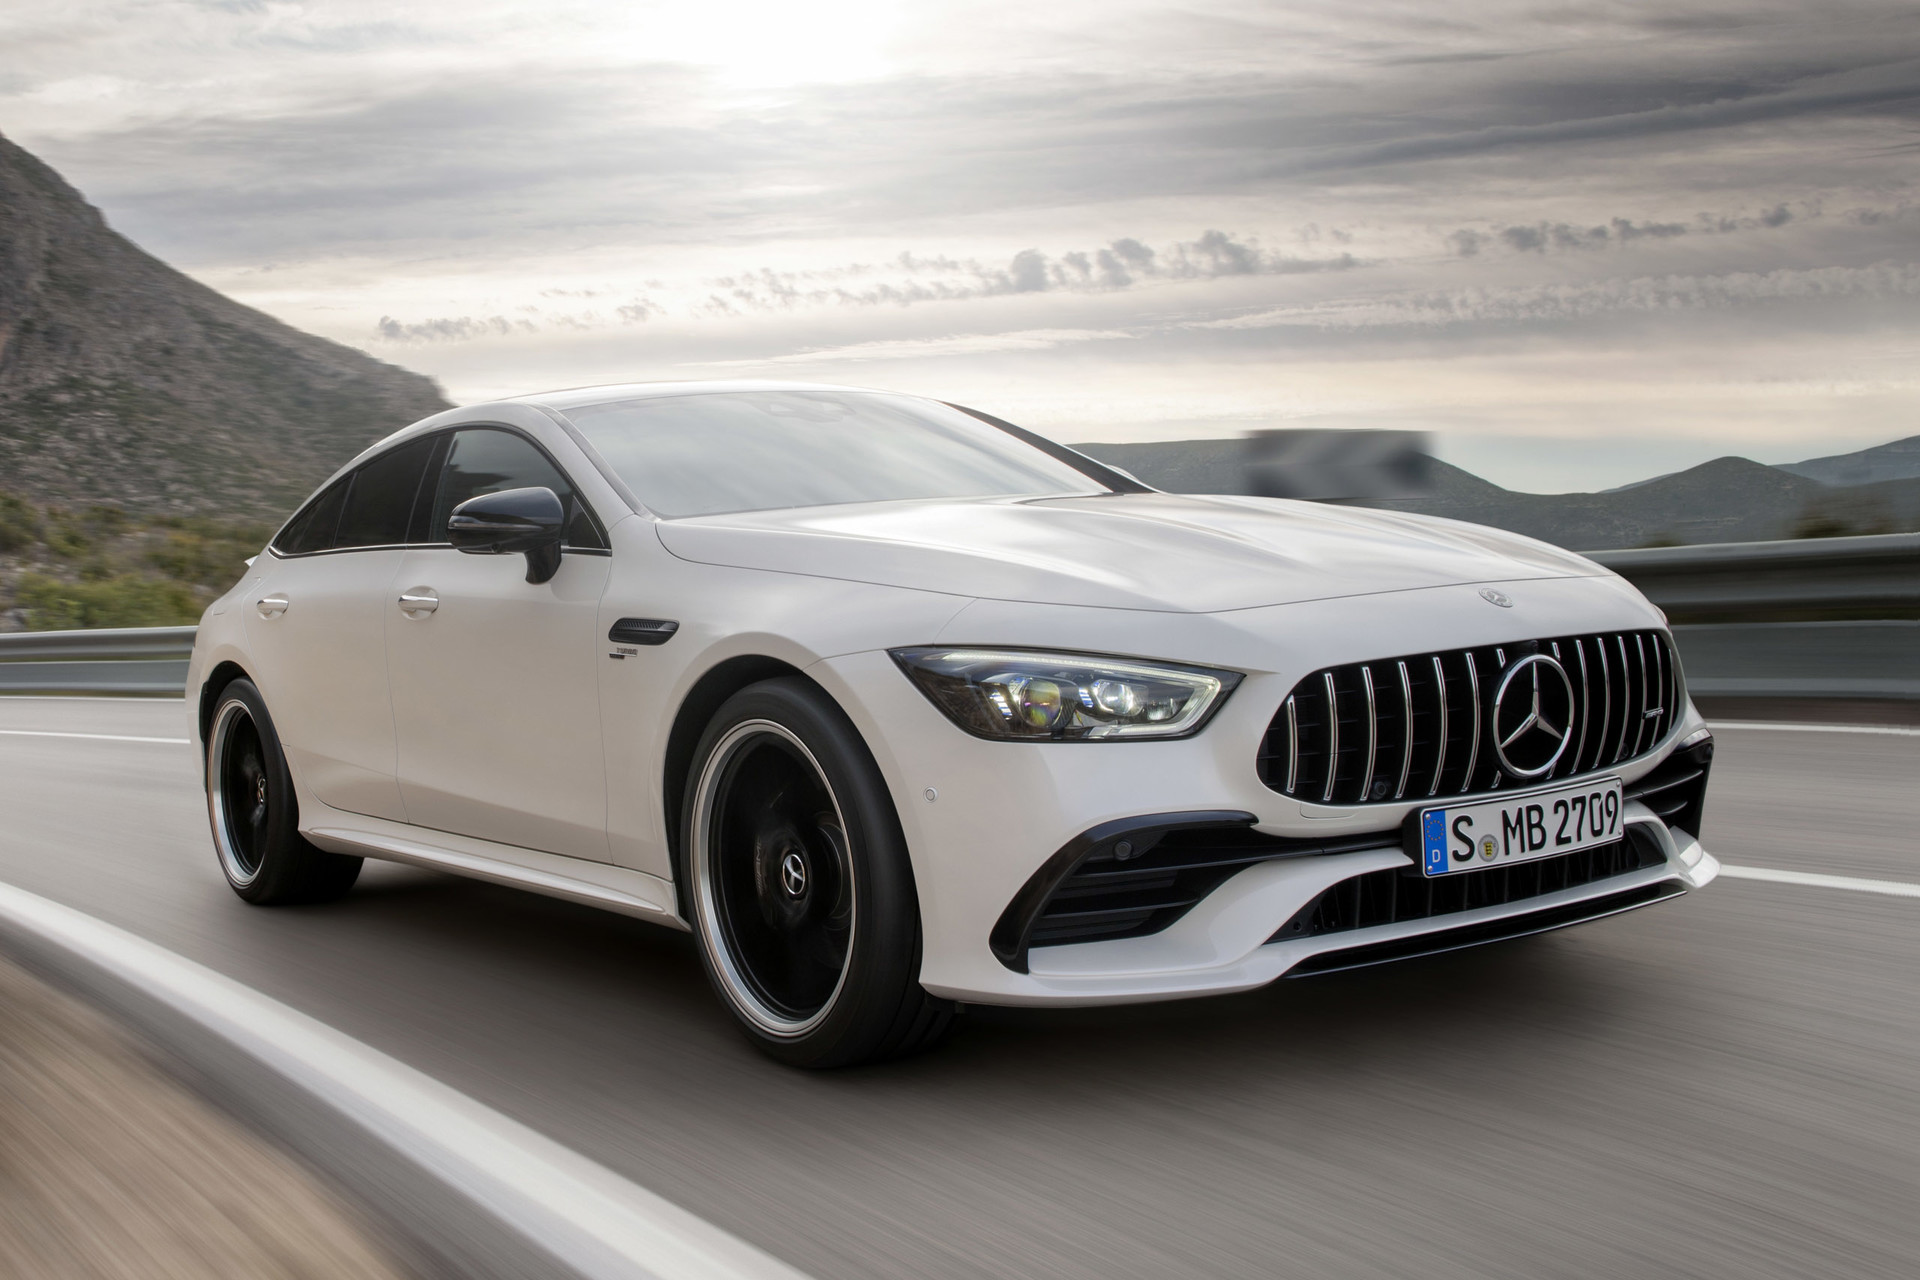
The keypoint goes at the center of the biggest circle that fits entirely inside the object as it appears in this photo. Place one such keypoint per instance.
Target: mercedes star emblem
(793, 874)
(1532, 711)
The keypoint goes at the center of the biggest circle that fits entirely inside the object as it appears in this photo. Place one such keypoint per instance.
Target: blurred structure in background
(1324, 465)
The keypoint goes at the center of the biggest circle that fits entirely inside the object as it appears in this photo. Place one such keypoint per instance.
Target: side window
(313, 528)
(379, 505)
(484, 460)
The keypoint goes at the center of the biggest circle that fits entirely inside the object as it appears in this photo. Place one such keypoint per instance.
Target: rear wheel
(255, 818)
(799, 886)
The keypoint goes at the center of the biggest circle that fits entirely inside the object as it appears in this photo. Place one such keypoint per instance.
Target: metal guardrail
(135, 660)
(1724, 580)
(1875, 658)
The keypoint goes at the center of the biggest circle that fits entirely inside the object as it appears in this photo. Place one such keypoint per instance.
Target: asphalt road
(1726, 1085)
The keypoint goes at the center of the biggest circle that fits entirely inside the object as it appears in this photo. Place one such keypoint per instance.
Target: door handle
(271, 606)
(418, 602)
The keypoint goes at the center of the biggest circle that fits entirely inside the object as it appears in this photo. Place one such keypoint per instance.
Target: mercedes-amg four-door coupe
(898, 707)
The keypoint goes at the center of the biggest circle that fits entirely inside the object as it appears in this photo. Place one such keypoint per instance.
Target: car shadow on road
(619, 977)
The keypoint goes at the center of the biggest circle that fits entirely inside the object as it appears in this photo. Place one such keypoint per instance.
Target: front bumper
(982, 818)
(1225, 943)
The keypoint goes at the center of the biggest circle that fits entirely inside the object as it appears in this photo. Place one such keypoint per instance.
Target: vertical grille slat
(1293, 745)
(1646, 707)
(1333, 737)
(1580, 747)
(1626, 715)
(1626, 702)
(1473, 734)
(1406, 712)
(1606, 703)
(1373, 736)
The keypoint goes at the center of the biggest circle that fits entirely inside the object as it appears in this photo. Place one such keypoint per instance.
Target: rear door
(494, 679)
(316, 629)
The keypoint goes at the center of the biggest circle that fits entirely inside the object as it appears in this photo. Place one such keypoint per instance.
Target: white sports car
(898, 707)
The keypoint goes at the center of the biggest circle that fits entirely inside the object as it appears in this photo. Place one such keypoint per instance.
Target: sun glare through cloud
(752, 44)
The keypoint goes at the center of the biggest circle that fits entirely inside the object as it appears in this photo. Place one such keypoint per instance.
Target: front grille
(1395, 894)
(1421, 726)
(1108, 897)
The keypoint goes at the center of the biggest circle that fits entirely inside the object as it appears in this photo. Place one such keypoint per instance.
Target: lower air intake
(1395, 894)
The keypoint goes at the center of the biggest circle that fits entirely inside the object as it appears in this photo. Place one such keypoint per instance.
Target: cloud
(1546, 304)
(1541, 237)
(959, 344)
(910, 279)
(905, 281)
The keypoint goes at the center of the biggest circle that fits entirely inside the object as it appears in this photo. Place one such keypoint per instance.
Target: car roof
(574, 397)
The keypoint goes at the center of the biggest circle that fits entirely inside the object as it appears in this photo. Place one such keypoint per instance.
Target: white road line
(1815, 880)
(96, 737)
(1787, 726)
(583, 1220)
(151, 699)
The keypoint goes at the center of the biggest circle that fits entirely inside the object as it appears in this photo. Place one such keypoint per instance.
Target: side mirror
(513, 520)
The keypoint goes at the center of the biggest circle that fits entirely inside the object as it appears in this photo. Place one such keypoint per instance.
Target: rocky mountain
(1897, 460)
(123, 381)
(1725, 500)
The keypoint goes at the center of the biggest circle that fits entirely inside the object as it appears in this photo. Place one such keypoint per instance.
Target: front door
(494, 679)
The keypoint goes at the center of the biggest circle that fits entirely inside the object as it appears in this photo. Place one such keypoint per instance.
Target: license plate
(1468, 837)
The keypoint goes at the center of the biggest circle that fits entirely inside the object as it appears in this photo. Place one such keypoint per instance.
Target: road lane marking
(151, 699)
(95, 737)
(1816, 880)
(551, 1210)
(1787, 726)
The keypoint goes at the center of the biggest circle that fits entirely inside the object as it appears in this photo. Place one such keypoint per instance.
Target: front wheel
(799, 886)
(256, 820)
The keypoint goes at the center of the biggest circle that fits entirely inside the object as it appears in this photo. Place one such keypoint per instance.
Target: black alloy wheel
(254, 813)
(242, 789)
(799, 887)
(781, 890)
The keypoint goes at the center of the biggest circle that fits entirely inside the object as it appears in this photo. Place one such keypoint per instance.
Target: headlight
(1024, 695)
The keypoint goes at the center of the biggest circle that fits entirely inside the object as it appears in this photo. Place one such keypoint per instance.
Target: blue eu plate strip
(1433, 838)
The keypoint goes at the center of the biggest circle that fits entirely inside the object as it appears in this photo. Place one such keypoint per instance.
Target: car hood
(1155, 551)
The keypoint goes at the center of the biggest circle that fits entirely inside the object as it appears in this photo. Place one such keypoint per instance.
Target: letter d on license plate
(1520, 828)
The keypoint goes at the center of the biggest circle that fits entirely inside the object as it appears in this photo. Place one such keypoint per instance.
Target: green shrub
(1836, 518)
(125, 600)
(67, 535)
(213, 559)
(19, 524)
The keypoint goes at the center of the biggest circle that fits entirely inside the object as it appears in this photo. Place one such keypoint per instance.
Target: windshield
(712, 452)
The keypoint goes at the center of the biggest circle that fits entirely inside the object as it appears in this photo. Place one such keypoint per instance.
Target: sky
(1581, 244)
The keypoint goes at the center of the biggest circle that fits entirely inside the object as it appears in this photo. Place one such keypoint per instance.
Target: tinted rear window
(382, 497)
(313, 528)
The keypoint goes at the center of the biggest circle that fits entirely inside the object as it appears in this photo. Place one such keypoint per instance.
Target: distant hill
(1897, 460)
(124, 382)
(1725, 500)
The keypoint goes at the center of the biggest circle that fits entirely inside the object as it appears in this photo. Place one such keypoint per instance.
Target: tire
(255, 817)
(798, 883)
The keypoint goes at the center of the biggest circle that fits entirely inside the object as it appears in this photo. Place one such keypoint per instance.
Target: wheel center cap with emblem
(793, 875)
(1532, 711)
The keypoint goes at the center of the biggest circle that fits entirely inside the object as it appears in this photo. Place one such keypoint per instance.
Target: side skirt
(595, 884)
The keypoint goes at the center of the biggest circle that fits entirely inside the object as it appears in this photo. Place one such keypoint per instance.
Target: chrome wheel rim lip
(734, 982)
(220, 741)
